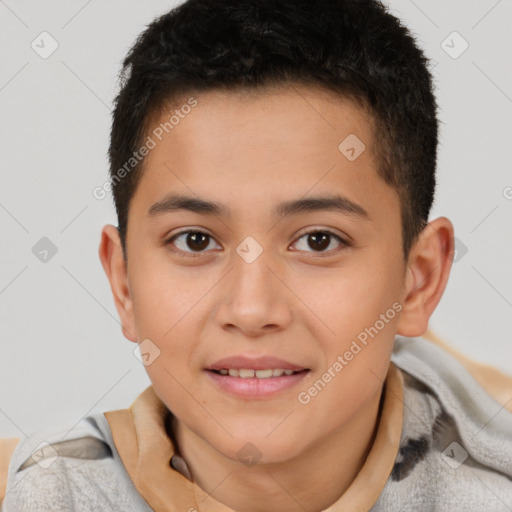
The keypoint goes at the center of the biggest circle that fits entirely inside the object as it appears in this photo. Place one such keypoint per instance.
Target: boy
(273, 168)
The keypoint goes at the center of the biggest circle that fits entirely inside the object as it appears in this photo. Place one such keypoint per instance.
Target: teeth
(263, 374)
(246, 373)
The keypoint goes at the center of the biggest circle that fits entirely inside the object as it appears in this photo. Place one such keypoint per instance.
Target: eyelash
(170, 241)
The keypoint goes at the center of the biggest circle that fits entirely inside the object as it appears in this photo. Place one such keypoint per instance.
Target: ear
(428, 268)
(114, 264)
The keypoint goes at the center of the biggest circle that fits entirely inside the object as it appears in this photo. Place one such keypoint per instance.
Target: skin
(303, 304)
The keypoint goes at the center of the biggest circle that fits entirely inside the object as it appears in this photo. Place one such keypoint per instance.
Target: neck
(312, 480)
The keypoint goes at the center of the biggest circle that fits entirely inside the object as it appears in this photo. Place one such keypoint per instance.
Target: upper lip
(254, 363)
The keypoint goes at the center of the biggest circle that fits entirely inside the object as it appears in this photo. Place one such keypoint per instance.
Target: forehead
(275, 118)
(262, 147)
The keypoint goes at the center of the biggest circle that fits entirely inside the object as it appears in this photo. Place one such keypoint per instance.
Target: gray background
(62, 351)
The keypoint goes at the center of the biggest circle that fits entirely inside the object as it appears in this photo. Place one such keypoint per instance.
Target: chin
(258, 449)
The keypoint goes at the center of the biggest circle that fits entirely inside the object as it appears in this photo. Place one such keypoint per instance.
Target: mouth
(255, 378)
(247, 385)
(250, 373)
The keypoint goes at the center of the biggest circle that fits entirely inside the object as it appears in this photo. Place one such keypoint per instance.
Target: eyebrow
(176, 202)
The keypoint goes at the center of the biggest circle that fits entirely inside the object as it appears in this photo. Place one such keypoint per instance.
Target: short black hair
(355, 48)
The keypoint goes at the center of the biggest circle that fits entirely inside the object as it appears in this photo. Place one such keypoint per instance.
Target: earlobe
(112, 260)
(427, 273)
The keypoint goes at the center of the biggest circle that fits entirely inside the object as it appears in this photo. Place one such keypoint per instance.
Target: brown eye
(319, 241)
(190, 242)
(197, 240)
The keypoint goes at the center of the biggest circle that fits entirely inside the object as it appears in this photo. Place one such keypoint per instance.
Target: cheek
(161, 297)
(351, 299)
(165, 308)
(360, 306)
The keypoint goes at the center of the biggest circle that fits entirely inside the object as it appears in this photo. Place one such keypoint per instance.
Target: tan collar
(146, 450)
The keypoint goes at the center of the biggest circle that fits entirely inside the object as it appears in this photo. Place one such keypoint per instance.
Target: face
(269, 274)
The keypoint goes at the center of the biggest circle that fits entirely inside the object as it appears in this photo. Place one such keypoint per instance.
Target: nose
(255, 299)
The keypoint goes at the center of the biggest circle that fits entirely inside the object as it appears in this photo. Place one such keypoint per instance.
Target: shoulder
(70, 467)
(456, 445)
(494, 381)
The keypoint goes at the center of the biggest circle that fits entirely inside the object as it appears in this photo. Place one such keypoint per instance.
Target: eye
(319, 240)
(196, 241)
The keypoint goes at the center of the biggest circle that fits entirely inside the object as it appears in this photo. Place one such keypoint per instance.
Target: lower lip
(253, 387)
